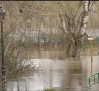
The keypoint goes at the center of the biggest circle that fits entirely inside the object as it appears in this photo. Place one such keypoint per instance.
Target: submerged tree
(74, 27)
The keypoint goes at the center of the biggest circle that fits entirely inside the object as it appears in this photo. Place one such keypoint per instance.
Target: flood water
(68, 74)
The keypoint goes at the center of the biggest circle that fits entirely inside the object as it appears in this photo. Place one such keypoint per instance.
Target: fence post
(98, 76)
(94, 79)
(89, 82)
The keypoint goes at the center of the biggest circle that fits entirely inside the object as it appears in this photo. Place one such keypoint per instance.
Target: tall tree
(75, 28)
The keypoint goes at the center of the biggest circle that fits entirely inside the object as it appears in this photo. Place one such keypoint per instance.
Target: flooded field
(65, 74)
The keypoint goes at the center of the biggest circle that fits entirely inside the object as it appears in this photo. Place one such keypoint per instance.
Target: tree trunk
(39, 35)
(51, 40)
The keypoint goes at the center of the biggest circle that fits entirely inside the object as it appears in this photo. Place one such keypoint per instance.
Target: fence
(94, 79)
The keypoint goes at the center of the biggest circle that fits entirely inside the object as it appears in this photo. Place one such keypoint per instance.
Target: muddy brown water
(68, 74)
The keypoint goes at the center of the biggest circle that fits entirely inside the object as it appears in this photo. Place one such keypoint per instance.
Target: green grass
(88, 43)
(50, 89)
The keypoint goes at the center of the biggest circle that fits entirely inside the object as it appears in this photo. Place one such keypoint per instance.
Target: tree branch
(68, 33)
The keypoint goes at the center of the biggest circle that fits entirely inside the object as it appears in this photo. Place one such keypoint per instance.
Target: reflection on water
(68, 74)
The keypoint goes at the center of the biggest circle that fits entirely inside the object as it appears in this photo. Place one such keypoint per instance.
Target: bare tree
(75, 26)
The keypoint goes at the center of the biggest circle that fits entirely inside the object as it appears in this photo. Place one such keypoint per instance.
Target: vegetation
(50, 89)
(15, 55)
